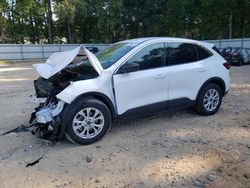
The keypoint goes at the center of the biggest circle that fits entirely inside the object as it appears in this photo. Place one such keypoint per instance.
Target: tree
(47, 4)
(65, 12)
(3, 10)
(108, 21)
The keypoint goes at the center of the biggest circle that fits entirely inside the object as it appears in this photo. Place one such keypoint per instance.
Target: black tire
(200, 106)
(73, 109)
(241, 62)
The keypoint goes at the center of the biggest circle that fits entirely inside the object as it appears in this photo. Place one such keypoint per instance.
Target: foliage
(108, 21)
(65, 12)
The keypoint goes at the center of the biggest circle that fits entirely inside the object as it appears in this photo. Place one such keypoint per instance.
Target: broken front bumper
(46, 120)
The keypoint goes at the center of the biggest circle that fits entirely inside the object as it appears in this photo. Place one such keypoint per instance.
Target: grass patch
(2, 62)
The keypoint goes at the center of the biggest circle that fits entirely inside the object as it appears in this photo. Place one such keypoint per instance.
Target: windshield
(237, 50)
(110, 55)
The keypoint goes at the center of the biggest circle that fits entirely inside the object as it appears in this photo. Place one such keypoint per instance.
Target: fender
(102, 97)
(216, 80)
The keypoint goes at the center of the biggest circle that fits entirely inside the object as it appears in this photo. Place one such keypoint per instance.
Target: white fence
(235, 43)
(25, 52)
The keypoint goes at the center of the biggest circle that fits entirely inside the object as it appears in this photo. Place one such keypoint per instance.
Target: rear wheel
(241, 62)
(209, 100)
(87, 121)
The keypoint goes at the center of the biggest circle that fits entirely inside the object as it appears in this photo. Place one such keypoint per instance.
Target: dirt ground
(177, 149)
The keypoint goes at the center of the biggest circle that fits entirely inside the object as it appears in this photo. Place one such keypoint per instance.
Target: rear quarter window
(217, 50)
(202, 52)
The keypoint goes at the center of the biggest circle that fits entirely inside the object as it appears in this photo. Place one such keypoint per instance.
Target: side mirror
(129, 67)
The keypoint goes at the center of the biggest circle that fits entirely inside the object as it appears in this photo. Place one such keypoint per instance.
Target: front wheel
(209, 100)
(86, 121)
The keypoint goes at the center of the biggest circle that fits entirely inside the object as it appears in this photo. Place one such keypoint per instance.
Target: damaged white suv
(85, 93)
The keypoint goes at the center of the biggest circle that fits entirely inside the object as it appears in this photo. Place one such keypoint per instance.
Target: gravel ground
(177, 149)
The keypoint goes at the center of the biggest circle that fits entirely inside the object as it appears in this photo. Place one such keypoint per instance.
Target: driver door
(146, 87)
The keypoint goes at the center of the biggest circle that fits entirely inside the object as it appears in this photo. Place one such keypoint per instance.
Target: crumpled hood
(59, 60)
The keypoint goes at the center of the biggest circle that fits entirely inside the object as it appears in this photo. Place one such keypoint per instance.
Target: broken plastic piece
(35, 162)
(21, 128)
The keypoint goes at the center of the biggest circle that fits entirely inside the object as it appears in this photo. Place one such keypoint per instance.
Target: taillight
(227, 65)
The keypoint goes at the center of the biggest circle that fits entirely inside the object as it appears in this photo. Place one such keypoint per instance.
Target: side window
(181, 53)
(152, 56)
(202, 53)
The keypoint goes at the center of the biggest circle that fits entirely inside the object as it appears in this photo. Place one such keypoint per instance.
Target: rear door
(189, 70)
(148, 85)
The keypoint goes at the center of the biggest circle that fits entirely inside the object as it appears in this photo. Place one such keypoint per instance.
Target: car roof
(170, 39)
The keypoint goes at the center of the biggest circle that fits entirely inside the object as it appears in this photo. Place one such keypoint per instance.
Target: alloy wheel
(211, 100)
(88, 123)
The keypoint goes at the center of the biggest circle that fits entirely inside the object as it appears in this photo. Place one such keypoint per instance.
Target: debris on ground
(88, 159)
(198, 183)
(162, 152)
(21, 128)
(34, 162)
(211, 177)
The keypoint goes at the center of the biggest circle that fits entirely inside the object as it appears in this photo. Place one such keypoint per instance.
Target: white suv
(84, 93)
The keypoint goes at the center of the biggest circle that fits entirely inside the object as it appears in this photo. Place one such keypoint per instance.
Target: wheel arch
(100, 96)
(217, 80)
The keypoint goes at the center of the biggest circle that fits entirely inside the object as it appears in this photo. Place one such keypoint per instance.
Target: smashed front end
(59, 71)
(46, 117)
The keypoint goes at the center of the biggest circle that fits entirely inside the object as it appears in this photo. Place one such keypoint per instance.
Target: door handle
(202, 69)
(158, 76)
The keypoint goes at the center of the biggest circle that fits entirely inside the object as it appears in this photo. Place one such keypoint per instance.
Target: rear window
(181, 53)
(237, 50)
